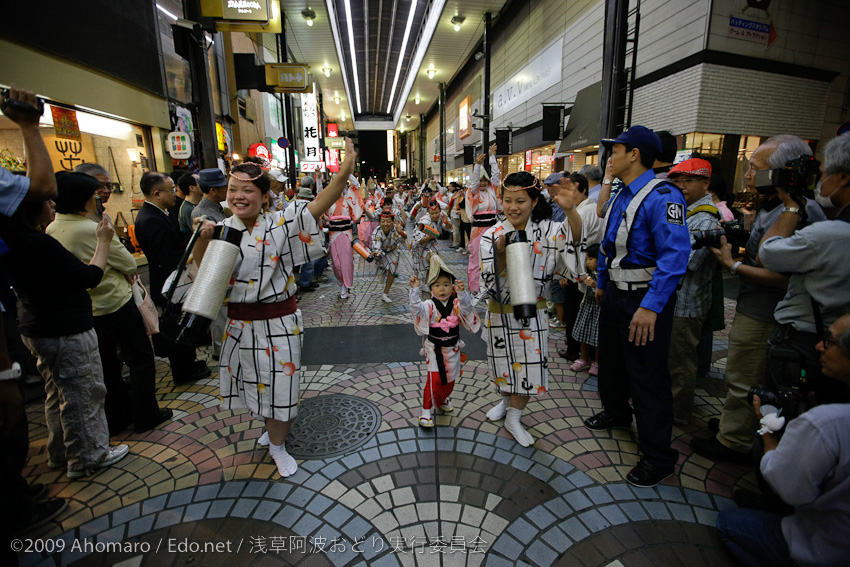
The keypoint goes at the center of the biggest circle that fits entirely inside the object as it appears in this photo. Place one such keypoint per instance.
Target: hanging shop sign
(464, 120)
(65, 123)
(335, 143)
(260, 150)
(528, 160)
(220, 136)
(751, 30)
(390, 145)
(310, 129)
(243, 15)
(333, 160)
(333, 130)
(542, 72)
(179, 145)
(288, 77)
(68, 154)
(245, 10)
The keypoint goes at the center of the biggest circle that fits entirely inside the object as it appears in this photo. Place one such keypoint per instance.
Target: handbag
(144, 303)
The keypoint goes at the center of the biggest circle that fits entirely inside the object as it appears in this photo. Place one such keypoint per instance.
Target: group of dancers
(261, 354)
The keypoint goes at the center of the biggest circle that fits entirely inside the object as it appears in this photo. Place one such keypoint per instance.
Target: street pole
(289, 127)
(206, 138)
(442, 133)
(485, 131)
(613, 68)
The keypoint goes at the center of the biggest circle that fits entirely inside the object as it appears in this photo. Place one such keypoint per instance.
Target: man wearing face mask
(759, 291)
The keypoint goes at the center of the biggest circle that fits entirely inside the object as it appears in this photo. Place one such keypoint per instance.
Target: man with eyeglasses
(759, 291)
(104, 192)
(809, 467)
(692, 177)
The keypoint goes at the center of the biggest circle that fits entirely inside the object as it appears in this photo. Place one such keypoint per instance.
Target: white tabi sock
(514, 427)
(263, 441)
(286, 465)
(498, 411)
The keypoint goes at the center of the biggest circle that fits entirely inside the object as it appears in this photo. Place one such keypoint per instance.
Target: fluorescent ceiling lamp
(428, 32)
(353, 53)
(166, 12)
(92, 124)
(329, 4)
(401, 53)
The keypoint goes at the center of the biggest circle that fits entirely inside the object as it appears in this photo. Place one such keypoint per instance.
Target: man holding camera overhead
(760, 289)
(815, 256)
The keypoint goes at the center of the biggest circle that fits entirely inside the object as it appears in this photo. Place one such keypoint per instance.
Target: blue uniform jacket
(658, 238)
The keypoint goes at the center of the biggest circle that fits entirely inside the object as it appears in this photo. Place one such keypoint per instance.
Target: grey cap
(553, 179)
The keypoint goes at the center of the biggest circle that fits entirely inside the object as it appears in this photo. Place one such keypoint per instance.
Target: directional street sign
(290, 76)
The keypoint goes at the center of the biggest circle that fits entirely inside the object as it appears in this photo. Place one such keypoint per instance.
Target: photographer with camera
(810, 469)
(760, 290)
(692, 177)
(815, 257)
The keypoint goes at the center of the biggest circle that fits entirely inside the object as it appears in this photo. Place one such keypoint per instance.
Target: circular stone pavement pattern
(332, 425)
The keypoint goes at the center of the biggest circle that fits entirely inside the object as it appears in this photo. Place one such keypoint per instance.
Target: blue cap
(639, 137)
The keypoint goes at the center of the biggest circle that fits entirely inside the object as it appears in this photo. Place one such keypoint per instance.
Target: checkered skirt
(586, 329)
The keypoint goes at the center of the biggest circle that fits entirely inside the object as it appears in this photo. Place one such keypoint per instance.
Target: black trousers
(125, 330)
(637, 372)
(574, 297)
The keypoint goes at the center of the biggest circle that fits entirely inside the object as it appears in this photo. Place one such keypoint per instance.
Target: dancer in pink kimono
(482, 205)
(438, 321)
(346, 211)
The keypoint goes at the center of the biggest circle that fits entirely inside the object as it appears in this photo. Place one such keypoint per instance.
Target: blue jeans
(311, 270)
(754, 537)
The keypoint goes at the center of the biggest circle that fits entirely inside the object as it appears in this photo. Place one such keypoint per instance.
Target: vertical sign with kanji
(310, 121)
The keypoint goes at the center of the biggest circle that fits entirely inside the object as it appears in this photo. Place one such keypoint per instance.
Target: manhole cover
(332, 425)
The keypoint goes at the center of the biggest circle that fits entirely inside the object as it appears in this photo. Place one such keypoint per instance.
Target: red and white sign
(333, 130)
(544, 159)
(333, 160)
(260, 150)
(528, 160)
(311, 166)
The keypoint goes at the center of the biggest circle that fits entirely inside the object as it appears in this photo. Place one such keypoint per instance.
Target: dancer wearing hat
(482, 205)
(518, 349)
(385, 249)
(438, 321)
(261, 355)
(342, 215)
(428, 230)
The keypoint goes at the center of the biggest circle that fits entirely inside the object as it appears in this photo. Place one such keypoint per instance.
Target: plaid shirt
(695, 294)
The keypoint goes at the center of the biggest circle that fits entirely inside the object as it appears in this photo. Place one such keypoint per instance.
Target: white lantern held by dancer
(207, 294)
(520, 276)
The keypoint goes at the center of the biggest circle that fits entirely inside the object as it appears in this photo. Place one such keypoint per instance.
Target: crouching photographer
(809, 467)
(815, 258)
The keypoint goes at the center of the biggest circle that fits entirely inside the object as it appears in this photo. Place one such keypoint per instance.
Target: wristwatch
(795, 210)
(607, 181)
(734, 269)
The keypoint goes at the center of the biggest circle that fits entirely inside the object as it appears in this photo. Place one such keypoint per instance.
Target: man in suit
(163, 246)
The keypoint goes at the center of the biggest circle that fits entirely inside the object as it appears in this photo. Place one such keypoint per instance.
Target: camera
(19, 105)
(797, 176)
(783, 398)
(734, 232)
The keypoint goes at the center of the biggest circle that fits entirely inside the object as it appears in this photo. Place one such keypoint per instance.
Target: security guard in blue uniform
(643, 255)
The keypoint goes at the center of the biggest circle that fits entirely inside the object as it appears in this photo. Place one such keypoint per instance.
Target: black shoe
(199, 365)
(161, 416)
(714, 425)
(568, 354)
(648, 475)
(711, 448)
(198, 374)
(37, 491)
(602, 421)
(44, 512)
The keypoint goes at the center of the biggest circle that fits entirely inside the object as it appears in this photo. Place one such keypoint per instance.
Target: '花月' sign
(310, 129)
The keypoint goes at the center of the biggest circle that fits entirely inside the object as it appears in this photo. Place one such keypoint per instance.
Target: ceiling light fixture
(457, 21)
(352, 53)
(401, 53)
(336, 99)
(308, 15)
(327, 71)
(416, 100)
(431, 72)
(407, 118)
(342, 116)
(166, 12)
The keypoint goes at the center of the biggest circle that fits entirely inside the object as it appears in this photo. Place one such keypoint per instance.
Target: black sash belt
(484, 219)
(339, 225)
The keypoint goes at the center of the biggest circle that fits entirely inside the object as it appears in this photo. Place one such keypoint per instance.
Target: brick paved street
(463, 493)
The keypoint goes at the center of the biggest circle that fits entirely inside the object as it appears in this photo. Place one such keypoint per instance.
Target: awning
(583, 127)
